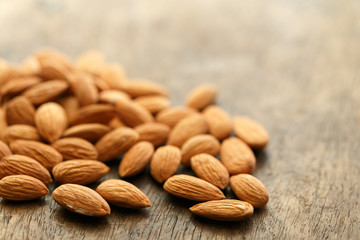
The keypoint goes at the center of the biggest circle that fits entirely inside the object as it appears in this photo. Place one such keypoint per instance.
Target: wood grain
(291, 65)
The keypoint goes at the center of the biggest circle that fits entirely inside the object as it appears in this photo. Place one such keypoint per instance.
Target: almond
(4, 150)
(84, 88)
(115, 143)
(116, 123)
(20, 131)
(136, 159)
(113, 96)
(22, 165)
(210, 169)
(45, 55)
(248, 188)
(88, 131)
(192, 188)
(18, 85)
(113, 75)
(165, 162)
(20, 111)
(237, 157)
(45, 91)
(3, 122)
(75, 148)
(81, 199)
(203, 143)
(153, 104)
(186, 129)
(79, 171)
(53, 69)
(138, 88)
(91, 62)
(22, 188)
(201, 96)
(100, 84)
(123, 194)
(251, 132)
(224, 210)
(51, 121)
(95, 113)
(219, 122)
(156, 133)
(44, 154)
(71, 106)
(132, 113)
(172, 116)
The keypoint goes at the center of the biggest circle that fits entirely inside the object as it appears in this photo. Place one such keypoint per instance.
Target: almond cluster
(63, 121)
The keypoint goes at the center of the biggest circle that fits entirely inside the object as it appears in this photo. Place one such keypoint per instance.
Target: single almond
(91, 62)
(20, 111)
(171, 116)
(113, 96)
(116, 123)
(136, 159)
(20, 131)
(113, 75)
(71, 106)
(81, 171)
(153, 104)
(88, 131)
(132, 113)
(115, 143)
(51, 121)
(237, 156)
(203, 143)
(250, 189)
(251, 132)
(210, 169)
(18, 85)
(22, 188)
(31, 66)
(219, 122)
(22, 165)
(75, 148)
(192, 188)
(44, 154)
(123, 194)
(224, 210)
(138, 88)
(53, 69)
(45, 91)
(100, 84)
(81, 200)
(84, 88)
(95, 113)
(51, 55)
(3, 122)
(186, 129)
(4, 150)
(165, 162)
(156, 133)
(201, 96)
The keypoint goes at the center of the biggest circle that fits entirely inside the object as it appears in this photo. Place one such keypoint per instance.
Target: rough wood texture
(292, 65)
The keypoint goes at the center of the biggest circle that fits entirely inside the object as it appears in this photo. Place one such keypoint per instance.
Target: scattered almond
(45, 91)
(156, 133)
(251, 132)
(132, 113)
(219, 122)
(201, 96)
(4, 150)
(171, 116)
(88, 131)
(153, 104)
(75, 148)
(95, 113)
(20, 111)
(165, 162)
(19, 131)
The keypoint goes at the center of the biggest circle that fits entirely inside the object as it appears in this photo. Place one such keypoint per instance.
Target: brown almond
(45, 91)
(153, 104)
(22, 188)
(165, 162)
(132, 113)
(81, 171)
(224, 210)
(186, 129)
(172, 116)
(53, 69)
(115, 143)
(81, 200)
(113, 75)
(88, 131)
(71, 106)
(156, 133)
(3, 122)
(248, 188)
(31, 66)
(123, 194)
(22, 165)
(95, 113)
(100, 84)
(20, 111)
(84, 88)
(251, 132)
(18, 85)
(20, 131)
(138, 88)
(192, 188)
(116, 123)
(51, 55)
(75, 148)
(201, 96)
(136, 159)
(219, 122)
(203, 143)
(113, 96)
(91, 62)
(4, 150)
(237, 156)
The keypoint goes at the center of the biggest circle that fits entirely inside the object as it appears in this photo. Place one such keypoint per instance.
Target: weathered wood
(292, 65)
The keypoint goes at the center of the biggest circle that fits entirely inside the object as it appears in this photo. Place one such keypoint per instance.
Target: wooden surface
(292, 65)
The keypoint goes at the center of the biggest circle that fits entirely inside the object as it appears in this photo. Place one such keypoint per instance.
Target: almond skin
(94, 113)
(81, 171)
(3, 122)
(51, 121)
(75, 148)
(123, 194)
(136, 159)
(113, 96)
(201, 96)
(203, 143)
(138, 88)
(22, 165)
(156, 133)
(84, 88)
(113, 75)
(224, 210)
(132, 113)
(192, 188)
(45, 91)
(88, 131)
(71, 106)
(4, 150)
(251, 132)
(53, 69)
(20, 131)
(210, 169)
(165, 162)
(22, 188)
(248, 188)
(44, 154)
(172, 116)
(219, 122)
(153, 104)
(80, 199)
(17, 85)
(237, 157)
(20, 111)
(186, 129)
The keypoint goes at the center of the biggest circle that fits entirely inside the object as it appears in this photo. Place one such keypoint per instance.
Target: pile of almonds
(63, 121)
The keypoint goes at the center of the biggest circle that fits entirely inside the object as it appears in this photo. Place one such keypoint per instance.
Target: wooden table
(292, 65)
